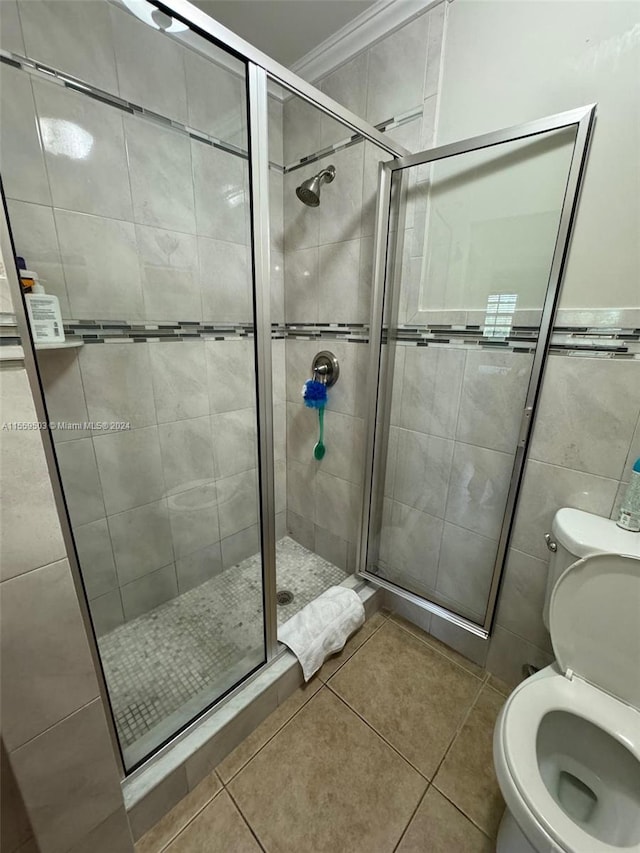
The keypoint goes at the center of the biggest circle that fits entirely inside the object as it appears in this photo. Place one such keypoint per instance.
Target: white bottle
(44, 313)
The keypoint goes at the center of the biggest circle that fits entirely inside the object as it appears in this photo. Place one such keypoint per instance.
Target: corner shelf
(65, 345)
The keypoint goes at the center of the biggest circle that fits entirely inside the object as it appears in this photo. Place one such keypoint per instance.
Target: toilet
(566, 744)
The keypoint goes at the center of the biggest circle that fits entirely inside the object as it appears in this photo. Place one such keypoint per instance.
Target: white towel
(322, 627)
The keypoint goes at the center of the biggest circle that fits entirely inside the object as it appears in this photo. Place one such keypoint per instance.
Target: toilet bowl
(567, 741)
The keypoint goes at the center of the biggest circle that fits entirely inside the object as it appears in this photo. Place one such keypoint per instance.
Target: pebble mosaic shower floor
(158, 662)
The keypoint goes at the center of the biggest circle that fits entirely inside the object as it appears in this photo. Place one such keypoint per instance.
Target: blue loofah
(314, 394)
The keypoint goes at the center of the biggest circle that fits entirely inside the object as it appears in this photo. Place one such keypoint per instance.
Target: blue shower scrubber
(314, 394)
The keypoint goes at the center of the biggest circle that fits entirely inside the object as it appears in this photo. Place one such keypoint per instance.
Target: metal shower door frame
(385, 249)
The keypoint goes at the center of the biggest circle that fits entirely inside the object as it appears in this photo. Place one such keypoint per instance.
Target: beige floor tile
(466, 776)
(352, 645)
(412, 695)
(236, 760)
(447, 651)
(219, 828)
(438, 827)
(327, 783)
(157, 838)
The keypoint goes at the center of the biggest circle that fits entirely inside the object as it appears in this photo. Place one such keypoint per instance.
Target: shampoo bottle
(44, 312)
(629, 518)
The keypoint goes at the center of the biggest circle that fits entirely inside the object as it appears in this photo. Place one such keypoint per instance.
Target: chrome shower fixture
(309, 191)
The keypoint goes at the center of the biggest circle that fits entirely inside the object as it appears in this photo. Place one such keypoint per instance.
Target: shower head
(309, 191)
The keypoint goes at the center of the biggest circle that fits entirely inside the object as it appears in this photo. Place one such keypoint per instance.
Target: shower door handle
(525, 425)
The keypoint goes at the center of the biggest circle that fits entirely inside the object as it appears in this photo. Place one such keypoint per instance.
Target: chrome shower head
(309, 191)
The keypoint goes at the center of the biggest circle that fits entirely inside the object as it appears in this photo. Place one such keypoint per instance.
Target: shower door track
(582, 119)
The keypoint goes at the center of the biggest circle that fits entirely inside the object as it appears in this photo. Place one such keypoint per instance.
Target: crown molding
(375, 23)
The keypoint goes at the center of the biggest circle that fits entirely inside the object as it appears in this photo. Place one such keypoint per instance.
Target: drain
(284, 596)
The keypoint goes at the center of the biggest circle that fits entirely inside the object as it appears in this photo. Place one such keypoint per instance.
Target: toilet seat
(519, 725)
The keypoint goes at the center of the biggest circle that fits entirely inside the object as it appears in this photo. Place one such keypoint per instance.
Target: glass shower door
(471, 244)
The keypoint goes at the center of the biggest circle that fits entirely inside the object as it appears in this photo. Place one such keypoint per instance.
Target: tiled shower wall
(145, 242)
(328, 268)
(587, 432)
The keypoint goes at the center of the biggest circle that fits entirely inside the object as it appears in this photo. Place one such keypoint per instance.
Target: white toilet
(566, 746)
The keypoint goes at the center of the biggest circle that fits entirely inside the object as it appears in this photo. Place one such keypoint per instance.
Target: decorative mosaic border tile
(618, 343)
(354, 139)
(53, 75)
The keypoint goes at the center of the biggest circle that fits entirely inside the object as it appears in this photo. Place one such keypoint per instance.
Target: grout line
(242, 815)
(464, 814)
(377, 733)
(188, 823)
(351, 656)
(413, 814)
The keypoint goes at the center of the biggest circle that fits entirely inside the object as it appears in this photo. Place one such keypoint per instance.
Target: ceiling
(284, 29)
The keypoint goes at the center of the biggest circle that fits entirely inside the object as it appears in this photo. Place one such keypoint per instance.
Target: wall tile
(15, 827)
(82, 488)
(341, 208)
(301, 286)
(301, 129)
(331, 548)
(113, 834)
(193, 516)
(100, 262)
(508, 653)
(26, 487)
(64, 394)
(34, 233)
(411, 544)
(339, 298)
(225, 281)
(522, 598)
(149, 591)
(106, 612)
(79, 788)
(301, 488)
(492, 400)
(422, 471)
(234, 438)
(231, 375)
(127, 400)
(547, 488)
(465, 567)
(160, 172)
(338, 506)
(275, 109)
(216, 98)
(397, 67)
(150, 66)
(72, 38)
(23, 170)
(237, 502)
(130, 468)
(276, 212)
(179, 380)
(587, 414)
(84, 150)
(478, 488)
(10, 29)
(241, 545)
(222, 202)
(431, 390)
(198, 567)
(96, 557)
(43, 635)
(186, 449)
(301, 529)
(169, 274)
(348, 86)
(141, 540)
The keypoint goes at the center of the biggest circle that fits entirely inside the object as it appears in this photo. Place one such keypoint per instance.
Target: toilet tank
(576, 534)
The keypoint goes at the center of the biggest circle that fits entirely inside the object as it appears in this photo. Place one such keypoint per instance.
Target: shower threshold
(160, 662)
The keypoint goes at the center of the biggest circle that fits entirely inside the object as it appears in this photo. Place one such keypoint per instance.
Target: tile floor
(157, 663)
(388, 748)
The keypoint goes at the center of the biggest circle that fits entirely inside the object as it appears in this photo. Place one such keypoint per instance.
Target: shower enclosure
(150, 179)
